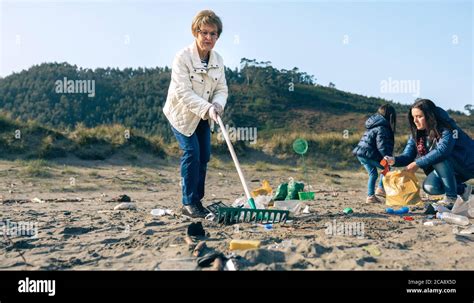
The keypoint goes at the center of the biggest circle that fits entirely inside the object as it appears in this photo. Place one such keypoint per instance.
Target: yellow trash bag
(401, 188)
(265, 190)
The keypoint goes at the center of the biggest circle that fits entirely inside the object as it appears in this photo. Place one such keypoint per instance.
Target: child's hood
(376, 120)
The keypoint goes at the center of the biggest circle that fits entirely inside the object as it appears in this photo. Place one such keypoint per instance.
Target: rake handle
(236, 161)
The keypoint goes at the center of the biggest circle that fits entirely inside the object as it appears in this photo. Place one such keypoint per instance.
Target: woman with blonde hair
(197, 93)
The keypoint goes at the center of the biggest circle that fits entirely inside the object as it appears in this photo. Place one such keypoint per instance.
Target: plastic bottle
(401, 211)
(452, 218)
(441, 209)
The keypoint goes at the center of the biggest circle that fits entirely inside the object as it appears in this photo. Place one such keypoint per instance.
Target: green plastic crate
(306, 195)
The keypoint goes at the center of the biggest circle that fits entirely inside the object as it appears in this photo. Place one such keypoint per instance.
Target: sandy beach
(78, 228)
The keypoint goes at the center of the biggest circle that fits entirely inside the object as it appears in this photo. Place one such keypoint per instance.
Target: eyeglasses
(214, 35)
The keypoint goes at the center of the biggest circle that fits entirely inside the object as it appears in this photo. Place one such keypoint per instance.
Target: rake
(230, 215)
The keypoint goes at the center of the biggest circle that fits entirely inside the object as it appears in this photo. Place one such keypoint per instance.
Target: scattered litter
(463, 208)
(467, 231)
(125, 206)
(408, 218)
(244, 244)
(282, 245)
(441, 208)
(452, 218)
(121, 198)
(372, 250)
(161, 212)
(348, 211)
(210, 217)
(230, 266)
(268, 226)
(196, 229)
(306, 195)
(265, 190)
(433, 223)
(293, 189)
(37, 200)
(239, 202)
(281, 192)
(401, 211)
(261, 202)
(306, 210)
(294, 206)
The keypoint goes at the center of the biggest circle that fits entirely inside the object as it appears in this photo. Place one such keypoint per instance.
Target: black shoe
(192, 211)
(202, 208)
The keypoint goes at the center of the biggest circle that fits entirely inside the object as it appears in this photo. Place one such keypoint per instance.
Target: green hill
(281, 104)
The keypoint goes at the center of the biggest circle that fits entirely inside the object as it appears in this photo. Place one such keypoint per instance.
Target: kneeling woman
(442, 149)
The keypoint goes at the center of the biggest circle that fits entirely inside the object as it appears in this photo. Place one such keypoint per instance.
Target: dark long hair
(434, 123)
(389, 113)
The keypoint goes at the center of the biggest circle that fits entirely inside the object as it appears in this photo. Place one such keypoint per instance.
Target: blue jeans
(371, 167)
(196, 154)
(447, 178)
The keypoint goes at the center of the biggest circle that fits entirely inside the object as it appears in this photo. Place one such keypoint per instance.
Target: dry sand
(88, 235)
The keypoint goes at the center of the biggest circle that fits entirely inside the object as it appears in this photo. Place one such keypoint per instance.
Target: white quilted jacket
(193, 89)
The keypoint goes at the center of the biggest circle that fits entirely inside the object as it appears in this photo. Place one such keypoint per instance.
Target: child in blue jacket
(377, 143)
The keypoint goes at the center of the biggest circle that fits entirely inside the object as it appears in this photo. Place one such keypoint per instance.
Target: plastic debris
(268, 226)
(210, 217)
(433, 223)
(230, 266)
(125, 206)
(244, 244)
(37, 200)
(161, 212)
(306, 210)
(372, 250)
(293, 189)
(403, 210)
(467, 231)
(294, 206)
(348, 211)
(265, 190)
(281, 192)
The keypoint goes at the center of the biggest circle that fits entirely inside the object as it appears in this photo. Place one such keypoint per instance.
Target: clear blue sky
(401, 40)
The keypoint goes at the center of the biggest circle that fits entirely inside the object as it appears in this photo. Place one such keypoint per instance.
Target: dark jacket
(377, 141)
(454, 144)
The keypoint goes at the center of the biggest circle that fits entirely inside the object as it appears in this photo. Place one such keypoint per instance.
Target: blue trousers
(371, 167)
(446, 177)
(196, 154)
